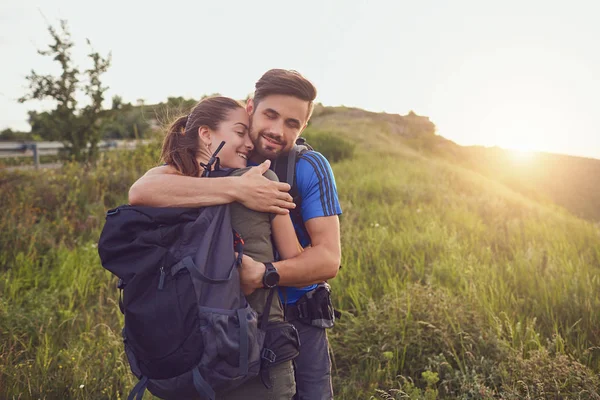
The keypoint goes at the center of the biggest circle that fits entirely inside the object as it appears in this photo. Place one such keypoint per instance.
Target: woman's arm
(165, 187)
(284, 237)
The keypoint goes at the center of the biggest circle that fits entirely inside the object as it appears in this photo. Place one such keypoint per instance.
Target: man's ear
(205, 134)
(250, 106)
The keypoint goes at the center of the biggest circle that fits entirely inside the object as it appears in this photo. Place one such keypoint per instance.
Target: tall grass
(445, 271)
(59, 323)
(452, 285)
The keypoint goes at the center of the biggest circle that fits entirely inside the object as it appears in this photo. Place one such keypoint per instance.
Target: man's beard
(267, 150)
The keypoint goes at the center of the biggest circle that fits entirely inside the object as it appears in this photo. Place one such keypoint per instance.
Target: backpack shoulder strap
(291, 171)
(285, 166)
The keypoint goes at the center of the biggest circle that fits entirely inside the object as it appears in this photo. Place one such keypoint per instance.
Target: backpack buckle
(121, 284)
(268, 355)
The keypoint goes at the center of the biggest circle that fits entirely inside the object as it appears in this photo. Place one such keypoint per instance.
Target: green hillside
(565, 180)
(453, 285)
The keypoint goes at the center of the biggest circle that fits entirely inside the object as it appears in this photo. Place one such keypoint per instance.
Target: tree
(43, 125)
(78, 127)
(117, 102)
(181, 104)
(16, 136)
(124, 121)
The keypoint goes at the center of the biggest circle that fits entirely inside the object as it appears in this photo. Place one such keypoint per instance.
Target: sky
(516, 74)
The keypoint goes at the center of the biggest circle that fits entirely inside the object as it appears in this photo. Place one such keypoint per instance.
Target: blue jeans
(313, 365)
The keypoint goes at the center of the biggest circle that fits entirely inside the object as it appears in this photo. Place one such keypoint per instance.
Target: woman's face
(234, 131)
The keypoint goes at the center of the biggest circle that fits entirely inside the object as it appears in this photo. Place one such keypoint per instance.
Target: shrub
(546, 376)
(330, 145)
(47, 207)
(423, 329)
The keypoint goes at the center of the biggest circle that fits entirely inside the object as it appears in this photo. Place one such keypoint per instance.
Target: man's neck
(257, 158)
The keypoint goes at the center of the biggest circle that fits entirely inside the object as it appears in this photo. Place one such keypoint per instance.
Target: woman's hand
(261, 194)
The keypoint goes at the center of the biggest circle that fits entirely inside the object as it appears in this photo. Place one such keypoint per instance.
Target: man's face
(275, 124)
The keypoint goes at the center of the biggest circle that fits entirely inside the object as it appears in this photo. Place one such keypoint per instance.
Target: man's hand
(261, 194)
(251, 275)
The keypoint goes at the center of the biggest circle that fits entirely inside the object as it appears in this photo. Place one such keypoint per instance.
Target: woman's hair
(286, 82)
(182, 141)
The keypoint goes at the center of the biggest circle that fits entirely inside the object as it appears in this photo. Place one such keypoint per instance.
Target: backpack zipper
(161, 281)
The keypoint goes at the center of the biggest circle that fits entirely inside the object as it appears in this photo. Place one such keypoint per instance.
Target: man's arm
(319, 262)
(315, 264)
(165, 187)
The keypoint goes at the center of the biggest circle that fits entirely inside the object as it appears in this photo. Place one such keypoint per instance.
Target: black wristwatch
(271, 277)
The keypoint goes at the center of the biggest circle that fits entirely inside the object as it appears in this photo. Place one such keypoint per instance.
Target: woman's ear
(205, 135)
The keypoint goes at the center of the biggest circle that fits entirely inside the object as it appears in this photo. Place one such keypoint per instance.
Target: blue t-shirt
(316, 187)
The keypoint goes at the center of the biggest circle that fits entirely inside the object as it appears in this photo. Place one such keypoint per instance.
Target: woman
(190, 142)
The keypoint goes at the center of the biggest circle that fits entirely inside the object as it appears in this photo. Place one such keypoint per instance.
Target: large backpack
(189, 331)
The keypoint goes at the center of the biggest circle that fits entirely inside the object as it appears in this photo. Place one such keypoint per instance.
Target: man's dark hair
(286, 82)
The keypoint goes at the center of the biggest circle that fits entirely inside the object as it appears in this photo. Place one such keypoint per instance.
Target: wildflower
(81, 386)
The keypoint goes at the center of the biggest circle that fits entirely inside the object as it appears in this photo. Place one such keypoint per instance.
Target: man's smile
(272, 140)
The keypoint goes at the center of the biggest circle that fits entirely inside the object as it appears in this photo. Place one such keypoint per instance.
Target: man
(279, 112)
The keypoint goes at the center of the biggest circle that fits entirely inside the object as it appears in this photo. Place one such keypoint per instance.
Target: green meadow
(453, 285)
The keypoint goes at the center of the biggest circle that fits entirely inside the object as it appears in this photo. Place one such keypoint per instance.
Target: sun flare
(521, 154)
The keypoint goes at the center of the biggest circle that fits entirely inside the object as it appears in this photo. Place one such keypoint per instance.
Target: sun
(522, 154)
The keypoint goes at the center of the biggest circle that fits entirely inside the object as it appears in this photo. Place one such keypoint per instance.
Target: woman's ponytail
(179, 149)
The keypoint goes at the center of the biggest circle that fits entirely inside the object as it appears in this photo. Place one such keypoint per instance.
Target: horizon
(513, 76)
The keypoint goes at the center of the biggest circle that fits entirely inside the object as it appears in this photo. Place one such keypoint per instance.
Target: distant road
(22, 149)
(26, 149)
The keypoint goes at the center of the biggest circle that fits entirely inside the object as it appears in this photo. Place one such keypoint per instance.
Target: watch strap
(269, 267)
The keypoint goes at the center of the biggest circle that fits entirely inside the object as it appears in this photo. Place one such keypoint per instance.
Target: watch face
(271, 278)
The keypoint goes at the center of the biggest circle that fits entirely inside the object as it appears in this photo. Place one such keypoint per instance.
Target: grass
(27, 160)
(452, 286)
(446, 270)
